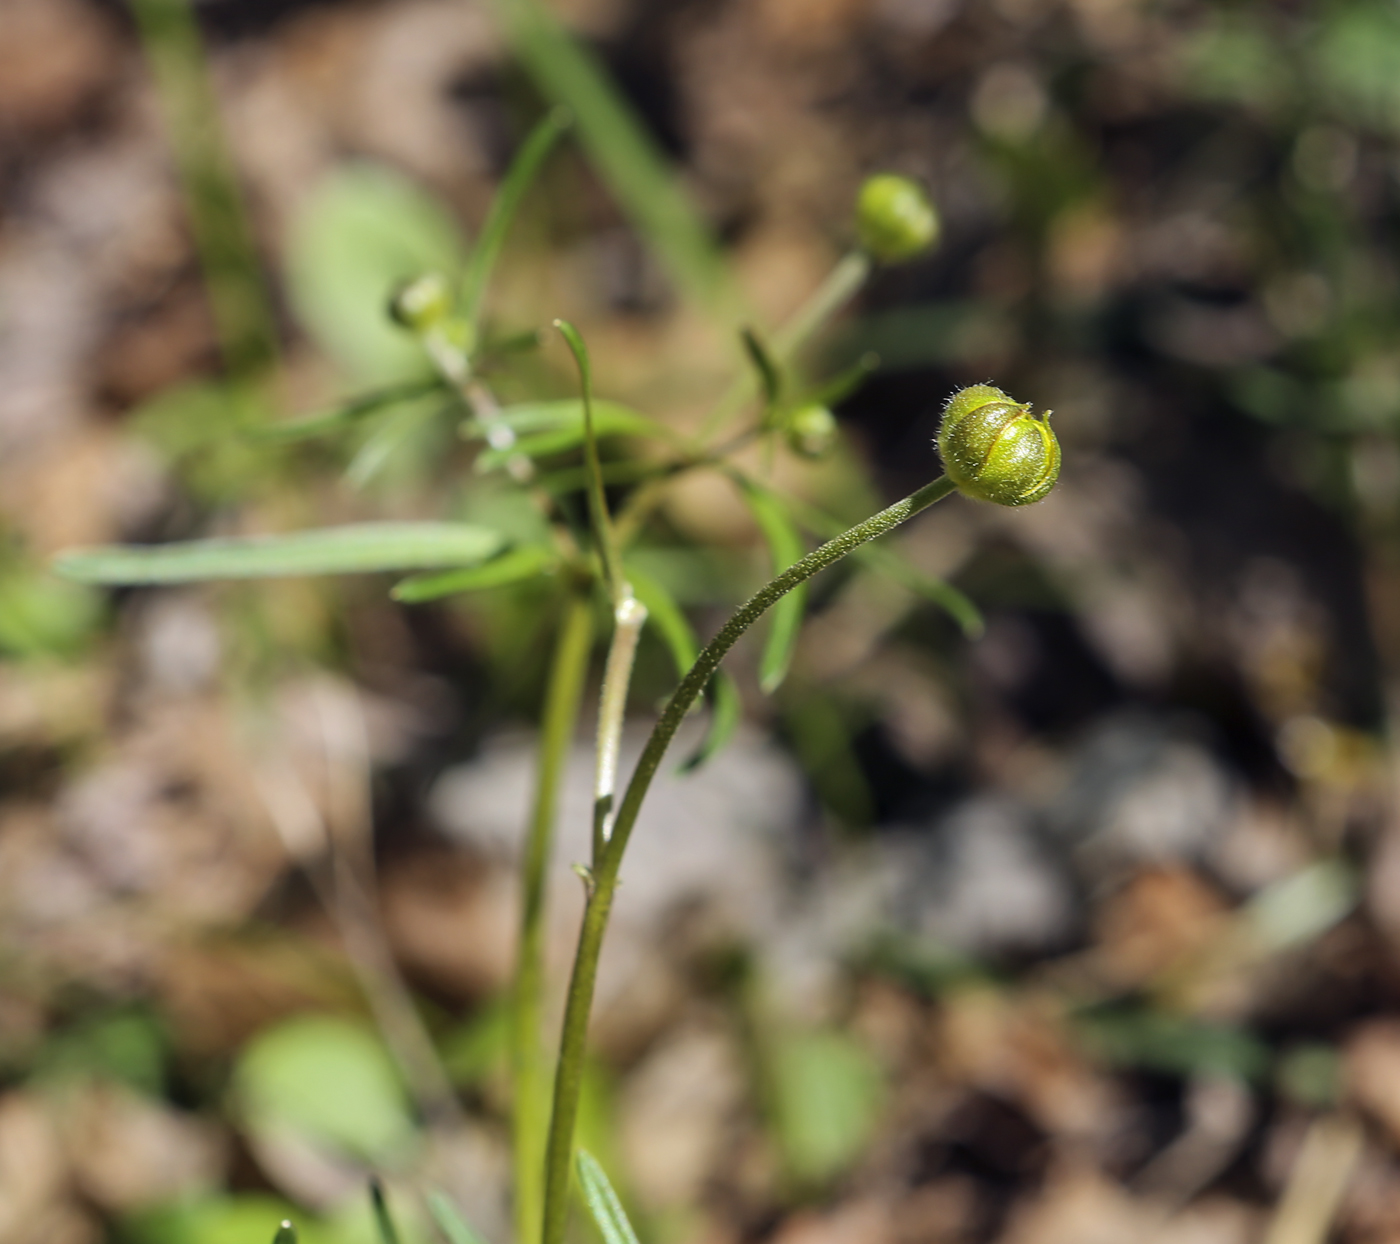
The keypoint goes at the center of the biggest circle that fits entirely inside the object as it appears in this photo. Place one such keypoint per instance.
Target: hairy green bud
(997, 449)
(810, 430)
(894, 218)
(422, 303)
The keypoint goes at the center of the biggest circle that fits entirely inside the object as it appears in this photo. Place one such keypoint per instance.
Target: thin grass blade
(620, 148)
(603, 1202)
(515, 566)
(358, 548)
(512, 190)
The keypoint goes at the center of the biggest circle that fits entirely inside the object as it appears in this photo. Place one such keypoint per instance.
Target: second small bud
(894, 218)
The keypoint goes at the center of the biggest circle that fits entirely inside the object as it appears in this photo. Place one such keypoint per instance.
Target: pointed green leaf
(726, 711)
(286, 1232)
(449, 1221)
(511, 567)
(504, 206)
(603, 1202)
(785, 547)
(357, 548)
(769, 377)
(603, 536)
(841, 386)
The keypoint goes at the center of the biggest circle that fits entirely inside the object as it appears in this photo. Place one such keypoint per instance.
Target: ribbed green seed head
(997, 449)
(894, 218)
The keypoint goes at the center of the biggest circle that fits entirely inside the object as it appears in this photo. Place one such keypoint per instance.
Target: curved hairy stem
(603, 879)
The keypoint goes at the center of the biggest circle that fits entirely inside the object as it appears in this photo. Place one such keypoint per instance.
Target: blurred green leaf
(356, 548)
(666, 617)
(1301, 907)
(243, 1219)
(503, 208)
(383, 1219)
(540, 429)
(328, 1079)
(1357, 51)
(350, 412)
(784, 548)
(478, 1049)
(625, 155)
(603, 1202)
(769, 377)
(1176, 1044)
(1234, 58)
(451, 1223)
(826, 1095)
(364, 231)
(41, 616)
(286, 1233)
(510, 567)
(726, 712)
(129, 1046)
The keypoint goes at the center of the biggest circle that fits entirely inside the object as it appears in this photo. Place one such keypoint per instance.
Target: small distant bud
(997, 449)
(422, 303)
(810, 431)
(894, 218)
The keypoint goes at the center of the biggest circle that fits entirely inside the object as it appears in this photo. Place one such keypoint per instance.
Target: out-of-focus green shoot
(237, 294)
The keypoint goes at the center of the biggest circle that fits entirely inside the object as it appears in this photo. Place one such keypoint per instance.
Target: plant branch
(603, 882)
(529, 1072)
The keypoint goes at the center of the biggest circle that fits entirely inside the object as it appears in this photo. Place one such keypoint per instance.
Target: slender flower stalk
(603, 879)
(529, 1069)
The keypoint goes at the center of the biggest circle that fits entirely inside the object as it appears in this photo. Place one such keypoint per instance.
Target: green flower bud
(422, 303)
(810, 430)
(997, 449)
(894, 218)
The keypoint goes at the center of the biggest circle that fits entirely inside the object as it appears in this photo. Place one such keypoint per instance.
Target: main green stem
(603, 880)
(563, 696)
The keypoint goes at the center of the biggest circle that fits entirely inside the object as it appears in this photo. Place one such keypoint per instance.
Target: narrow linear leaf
(575, 479)
(842, 385)
(953, 602)
(726, 711)
(609, 418)
(768, 375)
(286, 1232)
(357, 548)
(449, 1221)
(603, 535)
(517, 181)
(785, 547)
(511, 567)
(326, 422)
(667, 617)
(383, 1220)
(603, 1202)
(620, 148)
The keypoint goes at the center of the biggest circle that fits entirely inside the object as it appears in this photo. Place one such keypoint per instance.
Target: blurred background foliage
(1082, 926)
